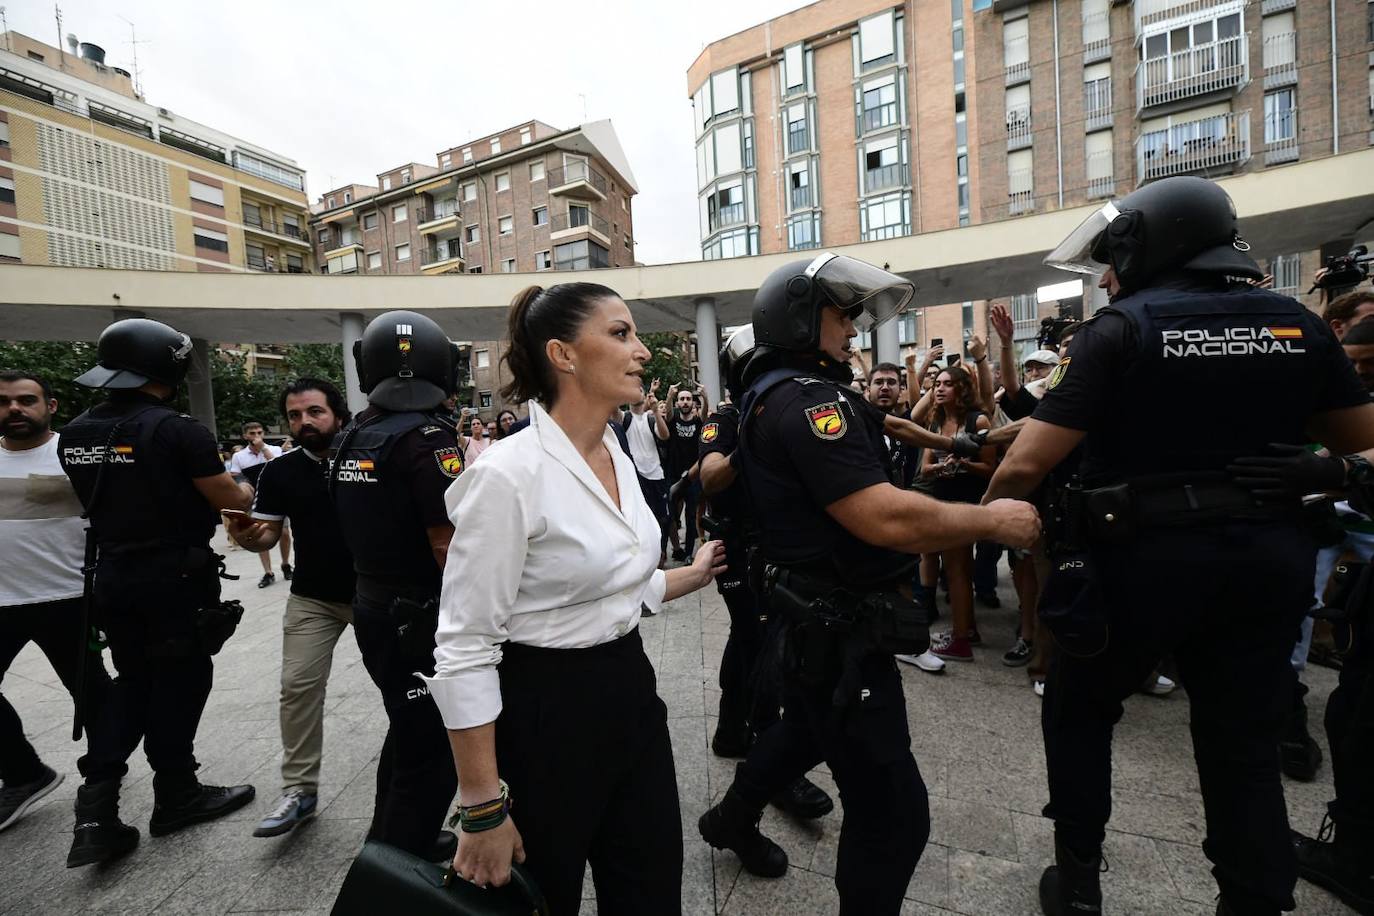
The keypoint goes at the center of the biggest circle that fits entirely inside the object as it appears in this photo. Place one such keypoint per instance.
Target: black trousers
(416, 781)
(742, 646)
(55, 626)
(868, 748)
(1227, 611)
(147, 605)
(582, 741)
(1350, 732)
(986, 556)
(686, 499)
(656, 495)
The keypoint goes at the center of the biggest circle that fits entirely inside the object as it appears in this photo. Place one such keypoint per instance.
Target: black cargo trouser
(1350, 732)
(1227, 614)
(416, 780)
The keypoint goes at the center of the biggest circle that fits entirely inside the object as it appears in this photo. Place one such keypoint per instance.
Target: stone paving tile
(975, 733)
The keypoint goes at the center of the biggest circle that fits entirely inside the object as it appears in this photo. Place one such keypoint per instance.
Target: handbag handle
(520, 878)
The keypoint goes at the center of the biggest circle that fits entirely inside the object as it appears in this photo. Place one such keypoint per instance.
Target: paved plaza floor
(976, 735)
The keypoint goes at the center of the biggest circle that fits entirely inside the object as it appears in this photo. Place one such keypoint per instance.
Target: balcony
(798, 138)
(578, 221)
(884, 177)
(878, 117)
(430, 220)
(1016, 54)
(1218, 66)
(1281, 137)
(342, 245)
(726, 216)
(578, 179)
(1097, 38)
(1101, 174)
(262, 262)
(1215, 144)
(1280, 56)
(1097, 104)
(1152, 12)
(442, 258)
(258, 224)
(801, 198)
(1018, 129)
(292, 231)
(1021, 200)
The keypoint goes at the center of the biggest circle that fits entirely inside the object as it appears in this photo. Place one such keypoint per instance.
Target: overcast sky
(346, 93)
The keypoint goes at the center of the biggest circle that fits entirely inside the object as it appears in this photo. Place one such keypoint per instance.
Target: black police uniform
(1254, 367)
(155, 570)
(389, 475)
(808, 443)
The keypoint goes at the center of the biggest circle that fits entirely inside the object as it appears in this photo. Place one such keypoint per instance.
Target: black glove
(1292, 471)
(969, 445)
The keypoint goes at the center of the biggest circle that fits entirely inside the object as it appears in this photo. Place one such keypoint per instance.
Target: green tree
(239, 396)
(321, 361)
(667, 360)
(57, 362)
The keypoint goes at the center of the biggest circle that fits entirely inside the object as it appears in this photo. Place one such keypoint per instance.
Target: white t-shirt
(42, 534)
(246, 458)
(644, 445)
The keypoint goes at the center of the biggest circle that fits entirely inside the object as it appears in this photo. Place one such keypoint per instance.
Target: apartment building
(855, 120)
(92, 175)
(527, 199)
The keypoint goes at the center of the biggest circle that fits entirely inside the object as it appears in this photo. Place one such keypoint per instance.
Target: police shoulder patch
(826, 420)
(709, 432)
(430, 430)
(1059, 372)
(450, 460)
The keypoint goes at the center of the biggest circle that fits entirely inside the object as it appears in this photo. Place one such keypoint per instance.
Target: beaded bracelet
(484, 816)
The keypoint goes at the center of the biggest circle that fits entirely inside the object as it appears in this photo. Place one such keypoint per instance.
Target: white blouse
(540, 556)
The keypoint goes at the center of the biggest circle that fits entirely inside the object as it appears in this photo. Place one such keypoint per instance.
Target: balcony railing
(1281, 137)
(1020, 199)
(575, 172)
(884, 177)
(1280, 56)
(1097, 104)
(579, 217)
(1016, 53)
(1149, 12)
(1276, 6)
(727, 216)
(801, 197)
(258, 223)
(430, 214)
(1018, 128)
(1100, 172)
(345, 241)
(1213, 67)
(292, 230)
(1215, 143)
(1097, 37)
(452, 250)
(798, 138)
(260, 262)
(884, 115)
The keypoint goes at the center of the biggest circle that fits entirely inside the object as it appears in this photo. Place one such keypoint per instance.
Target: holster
(1350, 609)
(416, 624)
(216, 623)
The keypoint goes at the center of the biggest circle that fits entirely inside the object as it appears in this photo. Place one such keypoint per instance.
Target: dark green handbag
(384, 879)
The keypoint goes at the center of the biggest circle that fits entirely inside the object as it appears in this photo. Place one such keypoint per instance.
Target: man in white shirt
(42, 540)
(246, 465)
(645, 427)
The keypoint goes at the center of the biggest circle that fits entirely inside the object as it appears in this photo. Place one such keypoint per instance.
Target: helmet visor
(738, 346)
(868, 294)
(1077, 253)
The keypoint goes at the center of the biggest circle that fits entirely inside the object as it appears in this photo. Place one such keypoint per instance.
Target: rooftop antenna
(61, 55)
(134, 42)
(5, 27)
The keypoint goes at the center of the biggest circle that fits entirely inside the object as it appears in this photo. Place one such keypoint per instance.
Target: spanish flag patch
(826, 420)
(709, 432)
(1287, 333)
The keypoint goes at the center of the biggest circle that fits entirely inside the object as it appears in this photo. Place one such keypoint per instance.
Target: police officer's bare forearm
(904, 520)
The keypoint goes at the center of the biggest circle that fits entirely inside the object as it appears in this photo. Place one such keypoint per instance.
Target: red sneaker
(952, 649)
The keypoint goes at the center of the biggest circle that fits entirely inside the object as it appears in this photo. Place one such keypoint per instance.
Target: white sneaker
(927, 661)
(1039, 688)
(1161, 687)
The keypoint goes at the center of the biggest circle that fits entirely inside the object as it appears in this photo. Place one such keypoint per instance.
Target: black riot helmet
(733, 358)
(135, 351)
(1181, 223)
(405, 362)
(788, 305)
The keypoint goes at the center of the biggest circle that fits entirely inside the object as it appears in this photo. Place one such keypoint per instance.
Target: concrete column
(1093, 298)
(199, 386)
(351, 326)
(886, 348)
(708, 351)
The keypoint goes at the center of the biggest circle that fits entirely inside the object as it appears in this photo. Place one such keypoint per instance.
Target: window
(1097, 90)
(467, 155)
(445, 160)
(625, 202)
(886, 217)
(472, 234)
(470, 191)
(876, 40)
(289, 226)
(537, 170)
(879, 103)
(508, 266)
(370, 220)
(255, 256)
(398, 213)
(269, 170)
(525, 136)
(725, 91)
(374, 260)
(483, 358)
(1280, 46)
(578, 215)
(386, 182)
(34, 55)
(1279, 121)
(580, 255)
(210, 239)
(629, 245)
(804, 232)
(294, 264)
(252, 214)
(799, 186)
(793, 68)
(322, 236)
(495, 145)
(6, 190)
(725, 207)
(483, 397)
(506, 225)
(798, 140)
(445, 207)
(475, 270)
(1097, 162)
(735, 244)
(1018, 110)
(541, 216)
(402, 253)
(329, 203)
(1020, 179)
(882, 165)
(207, 194)
(542, 260)
(728, 148)
(1096, 25)
(4, 133)
(348, 197)
(1016, 46)
(1286, 270)
(502, 181)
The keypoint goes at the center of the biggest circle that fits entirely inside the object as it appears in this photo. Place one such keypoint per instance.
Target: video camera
(1344, 271)
(1050, 329)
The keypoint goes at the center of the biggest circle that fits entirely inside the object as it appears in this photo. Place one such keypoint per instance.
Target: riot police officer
(391, 467)
(152, 482)
(1153, 497)
(839, 541)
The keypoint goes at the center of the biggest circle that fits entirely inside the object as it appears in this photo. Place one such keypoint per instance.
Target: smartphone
(953, 360)
(234, 513)
(936, 342)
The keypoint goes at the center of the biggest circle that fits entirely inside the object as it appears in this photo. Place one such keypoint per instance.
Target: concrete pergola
(1298, 207)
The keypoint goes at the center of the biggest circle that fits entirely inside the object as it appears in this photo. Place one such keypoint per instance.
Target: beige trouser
(310, 628)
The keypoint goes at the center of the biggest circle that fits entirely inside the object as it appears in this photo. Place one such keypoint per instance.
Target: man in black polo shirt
(294, 486)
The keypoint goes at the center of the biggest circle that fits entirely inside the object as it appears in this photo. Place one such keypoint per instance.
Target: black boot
(804, 799)
(734, 825)
(1071, 887)
(99, 835)
(1343, 864)
(173, 811)
(732, 738)
(1299, 755)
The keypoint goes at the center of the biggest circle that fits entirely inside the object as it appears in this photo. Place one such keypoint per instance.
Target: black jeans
(868, 748)
(147, 606)
(55, 626)
(686, 499)
(986, 556)
(1227, 611)
(656, 495)
(416, 781)
(582, 741)
(1350, 733)
(742, 646)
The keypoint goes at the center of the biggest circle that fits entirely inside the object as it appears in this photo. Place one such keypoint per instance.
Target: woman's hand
(484, 858)
(977, 347)
(709, 562)
(1001, 322)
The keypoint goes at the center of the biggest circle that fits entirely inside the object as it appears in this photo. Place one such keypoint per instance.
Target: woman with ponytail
(559, 737)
